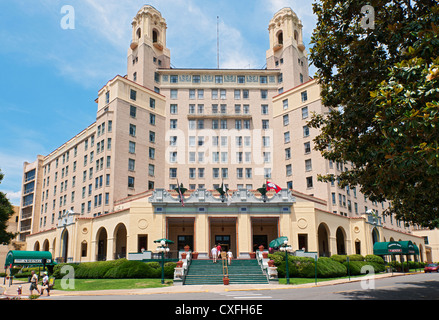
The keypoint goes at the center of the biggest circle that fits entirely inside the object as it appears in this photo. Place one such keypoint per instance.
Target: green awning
(28, 258)
(395, 247)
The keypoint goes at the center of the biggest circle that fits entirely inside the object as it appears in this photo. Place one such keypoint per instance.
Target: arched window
(280, 37)
(155, 35)
(138, 33)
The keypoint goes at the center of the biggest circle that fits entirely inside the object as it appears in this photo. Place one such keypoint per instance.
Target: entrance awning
(28, 258)
(395, 247)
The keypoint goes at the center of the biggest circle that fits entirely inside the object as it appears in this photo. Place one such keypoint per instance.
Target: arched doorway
(341, 239)
(323, 240)
(65, 244)
(46, 245)
(37, 246)
(102, 244)
(120, 234)
(375, 236)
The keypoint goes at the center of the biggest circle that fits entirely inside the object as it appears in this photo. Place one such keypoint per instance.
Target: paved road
(410, 287)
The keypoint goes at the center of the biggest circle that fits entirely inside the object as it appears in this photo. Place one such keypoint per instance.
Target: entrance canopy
(395, 247)
(28, 258)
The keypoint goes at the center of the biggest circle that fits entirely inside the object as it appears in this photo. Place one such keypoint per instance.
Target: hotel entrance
(223, 232)
(264, 230)
(181, 231)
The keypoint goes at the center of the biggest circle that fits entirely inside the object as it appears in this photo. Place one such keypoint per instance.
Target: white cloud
(14, 197)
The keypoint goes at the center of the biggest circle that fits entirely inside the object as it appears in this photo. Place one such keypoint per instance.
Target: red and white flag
(273, 186)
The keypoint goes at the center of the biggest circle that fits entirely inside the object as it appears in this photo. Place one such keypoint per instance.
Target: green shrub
(57, 269)
(374, 258)
(329, 268)
(129, 269)
(339, 258)
(356, 257)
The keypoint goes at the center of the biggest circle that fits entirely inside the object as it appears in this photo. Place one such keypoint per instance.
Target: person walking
(45, 284)
(34, 283)
(229, 256)
(218, 249)
(214, 254)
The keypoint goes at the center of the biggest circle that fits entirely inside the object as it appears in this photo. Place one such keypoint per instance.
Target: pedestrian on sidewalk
(214, 254)
(34, 283)
(218, 249)
(45, 284)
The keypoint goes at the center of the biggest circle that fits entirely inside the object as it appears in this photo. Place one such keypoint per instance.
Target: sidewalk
(10, 292)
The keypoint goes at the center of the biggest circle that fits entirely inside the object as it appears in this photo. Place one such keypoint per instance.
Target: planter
(194, 255)
(183, 255)
(226, 280)
(186, 248)
(265, 255)
(179, 264)
(261, 248)
(252, 255)
(271, 263)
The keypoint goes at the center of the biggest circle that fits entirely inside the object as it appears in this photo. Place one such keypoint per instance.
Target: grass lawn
(112, 284)
(295, 281)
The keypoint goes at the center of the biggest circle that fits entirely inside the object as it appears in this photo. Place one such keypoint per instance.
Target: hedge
(117, 269)
(355, 267)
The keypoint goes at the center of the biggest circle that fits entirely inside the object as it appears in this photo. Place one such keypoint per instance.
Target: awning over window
(395, 247)
(28, 258)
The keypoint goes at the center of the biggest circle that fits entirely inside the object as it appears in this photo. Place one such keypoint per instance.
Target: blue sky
(50, 76)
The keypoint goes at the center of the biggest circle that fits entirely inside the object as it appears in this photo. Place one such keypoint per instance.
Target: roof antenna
(217, 41)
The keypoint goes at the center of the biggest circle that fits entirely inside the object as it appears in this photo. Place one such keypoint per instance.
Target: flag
(272, 186)
(180, 194)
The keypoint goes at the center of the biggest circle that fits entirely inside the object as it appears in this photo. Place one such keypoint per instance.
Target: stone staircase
(245, 271)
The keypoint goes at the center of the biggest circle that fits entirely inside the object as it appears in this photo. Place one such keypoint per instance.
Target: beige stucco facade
(201, 127)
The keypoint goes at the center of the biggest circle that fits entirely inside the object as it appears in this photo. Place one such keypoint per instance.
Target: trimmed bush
(356, 257)
(328, 268)
(117, 269)
(356, 266)
(374, 258)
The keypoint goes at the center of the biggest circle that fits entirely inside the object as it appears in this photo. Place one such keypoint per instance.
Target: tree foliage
(6, 211)
(381, 87)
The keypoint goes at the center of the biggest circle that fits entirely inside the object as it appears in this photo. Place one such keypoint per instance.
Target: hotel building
(109, 190)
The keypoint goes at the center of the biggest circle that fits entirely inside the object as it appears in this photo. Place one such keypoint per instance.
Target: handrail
(225, 267)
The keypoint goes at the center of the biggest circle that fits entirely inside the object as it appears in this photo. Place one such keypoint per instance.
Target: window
(132, 147)
(309, 183)
(286, 137)
(151, 153)
(130, 182)
(218, 79)
(304, 96)
(174, 79)
(307, 146)
(151, 169)
(173, 109)
(265, 125)
(287, 153)
(264, 109)
(172, 173)
(152, 103)
(241, 79)
(285, 104)
(224, 172)
(286, 120)
(264, 94)
(131, 164)
(173, 124)
(263, 79)
(152, 119)
(133, 111)
(308, 165)
(133, 95)
(152, 136)
(192, 173)
(132, 130)
(289, 170)
(196, 79)
(237, 94)
(174, 93)
(304, 112)
(305, 131)
(214, 93)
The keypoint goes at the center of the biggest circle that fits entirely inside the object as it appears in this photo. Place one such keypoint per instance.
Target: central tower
(147, 51)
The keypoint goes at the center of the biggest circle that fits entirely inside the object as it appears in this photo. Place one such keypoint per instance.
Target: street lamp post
(285, 247)
(162, 249)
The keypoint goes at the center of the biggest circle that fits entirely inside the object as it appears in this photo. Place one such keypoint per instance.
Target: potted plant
(186, 248)
(226, 280)
(271, 263)
(252, 255)
(194, 255)
(261, 248)
(183, 255)
(265, 255)
(179, 264)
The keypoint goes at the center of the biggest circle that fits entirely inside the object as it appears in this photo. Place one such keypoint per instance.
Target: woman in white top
(214, 254)
(229, 256)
